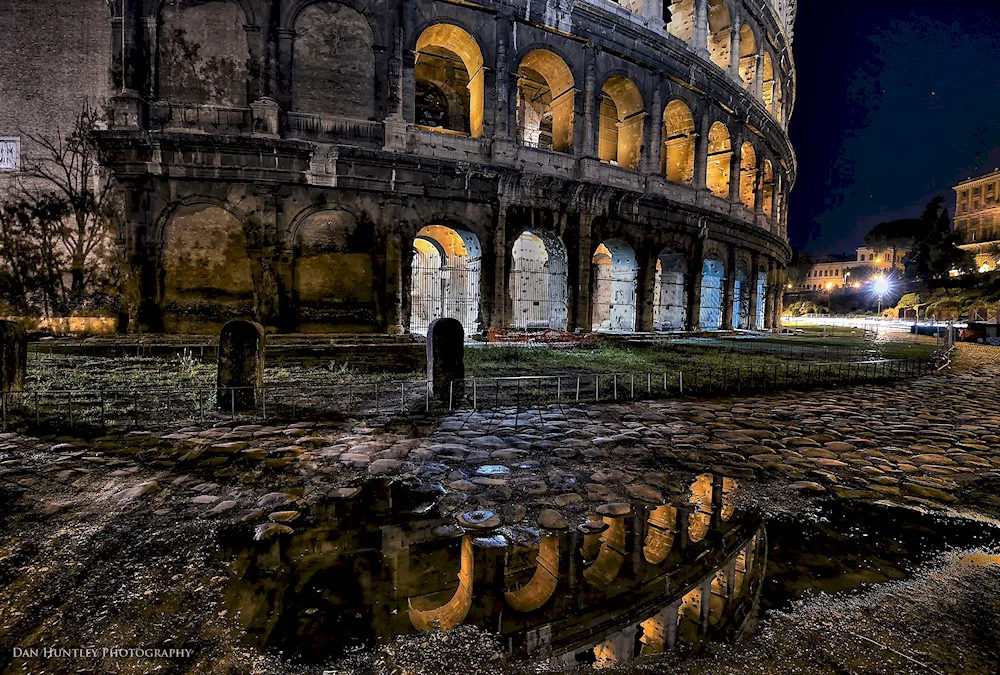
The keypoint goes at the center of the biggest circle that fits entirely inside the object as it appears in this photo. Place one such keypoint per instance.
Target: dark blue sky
(897, 101)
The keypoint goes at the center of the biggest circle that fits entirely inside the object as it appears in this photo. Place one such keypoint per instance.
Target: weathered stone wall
(204, 53)
(333, 63)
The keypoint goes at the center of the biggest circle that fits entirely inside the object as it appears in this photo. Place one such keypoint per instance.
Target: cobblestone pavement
(143, 506)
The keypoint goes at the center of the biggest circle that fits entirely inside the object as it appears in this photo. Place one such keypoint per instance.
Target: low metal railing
(152, 407)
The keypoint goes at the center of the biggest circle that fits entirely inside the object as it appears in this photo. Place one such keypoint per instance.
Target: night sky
(897, 101)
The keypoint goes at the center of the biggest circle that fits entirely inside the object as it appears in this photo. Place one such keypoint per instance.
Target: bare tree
(67, 167)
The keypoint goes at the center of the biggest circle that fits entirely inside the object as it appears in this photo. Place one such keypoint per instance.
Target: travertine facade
(977, 217)
(349, 166)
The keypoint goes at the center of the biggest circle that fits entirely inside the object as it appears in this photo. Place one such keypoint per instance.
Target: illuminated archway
(621, 125)
(761, 294)
(681, 23)
(453, 612)
(662, 526)
(700, 518)
(712, 285)
(543, 582)
(545, 98)
(611, 556)
(449, 81)
(719, 29)
(614, 279)
(720, 154)
(444, 278)
(670, 296)
(678, 143)
(748, 176)
(538, 282)
(768, 91)
(767, 189)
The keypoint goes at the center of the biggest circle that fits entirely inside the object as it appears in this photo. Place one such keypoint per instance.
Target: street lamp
(881, 287)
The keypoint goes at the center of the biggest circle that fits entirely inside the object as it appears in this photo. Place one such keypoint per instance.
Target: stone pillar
(735, 179)
(729, 291)
(769, 306)
(701, 28)
(654, 134)
(754, 296)
(694, 286)
(264, 273)
(579, 269)
(701, 151)
(652, 12)
(494, 294)
(240, 366)
(151, 42)
(256, 73)
(409, 85)
(591, 107)
(393, 283)
(734, 53)
(502, 109)
(13, 358)
(446, 360)
(282, 91)
(646, 259)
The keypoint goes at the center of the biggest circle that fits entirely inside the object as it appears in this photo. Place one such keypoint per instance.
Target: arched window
(614, 277)
(720, 153)
(538, 282)
(712, 285)
(449, 81)
(678, 143)
(622, 116)
(545, 94)
(444, 278)
(748, 175)
(719, 38)
(748, 56)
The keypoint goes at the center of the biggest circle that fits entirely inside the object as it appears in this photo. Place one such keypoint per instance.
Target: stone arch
(333, 63)
(445, 277)
(545, 101)
(741, 296)
(678, 143)
(453, 612)
(719, 592)
(610, 557)
(449, 58)
(767, 188)
(689, 616)
(700, 518)
(660, 535)
(719, 33)
(543, 582)
(670, 298)
(748, 175)
(614, 277)
(720, 154)
(748, 56)
(205, 267)
(203, 53)
(713, 278)
(290, 12)
(680, 23)
(621, 123)
(538, 283)
(333, 272)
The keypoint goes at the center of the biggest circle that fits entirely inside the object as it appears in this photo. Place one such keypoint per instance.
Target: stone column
(393, 283)
(646, 259)
(654, 134)
(729, 290)
(757, 87)
(591, 107)
(754, 263)
(409, 85)
(701, 28)
(579, 272)
(151, 45)
(701, 151)
(502, 108)
(694, 286)
(734, 54)
(256, 67)
(494, 292)
(652, 12)
(769, 306)
(735, 179)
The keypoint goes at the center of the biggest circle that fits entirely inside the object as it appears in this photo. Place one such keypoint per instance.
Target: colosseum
(367, 166)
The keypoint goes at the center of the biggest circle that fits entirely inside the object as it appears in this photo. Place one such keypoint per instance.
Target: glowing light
(878, 260)
(985, 268)
(829, 285)
(881, 285)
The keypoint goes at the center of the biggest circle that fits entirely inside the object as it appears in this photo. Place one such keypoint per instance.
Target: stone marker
(13, 357)
(241, 365)
(446, 359)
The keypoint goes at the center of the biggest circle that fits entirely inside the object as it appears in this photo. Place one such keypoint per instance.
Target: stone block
(446, 359)
(241, 365)
(13, 357)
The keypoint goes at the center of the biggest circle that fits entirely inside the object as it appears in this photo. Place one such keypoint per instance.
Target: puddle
(635, 580)
(852, 545)
(357, 572)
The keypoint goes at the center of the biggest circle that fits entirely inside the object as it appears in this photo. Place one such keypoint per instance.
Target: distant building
(977, 217)
(829, 273)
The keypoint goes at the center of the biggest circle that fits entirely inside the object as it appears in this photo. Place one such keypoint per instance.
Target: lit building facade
(977, 217)
(831, 275)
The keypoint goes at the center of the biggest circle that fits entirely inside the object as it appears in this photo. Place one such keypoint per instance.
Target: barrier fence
(148, 408)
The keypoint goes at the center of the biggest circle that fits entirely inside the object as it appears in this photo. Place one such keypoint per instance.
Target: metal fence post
(577, 388)
(451, 394)
(680, 380)
(475, 395)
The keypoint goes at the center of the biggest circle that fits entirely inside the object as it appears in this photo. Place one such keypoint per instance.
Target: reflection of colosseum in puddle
(653, 579)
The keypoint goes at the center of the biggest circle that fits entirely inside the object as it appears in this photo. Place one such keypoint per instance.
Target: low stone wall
(68, 325)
